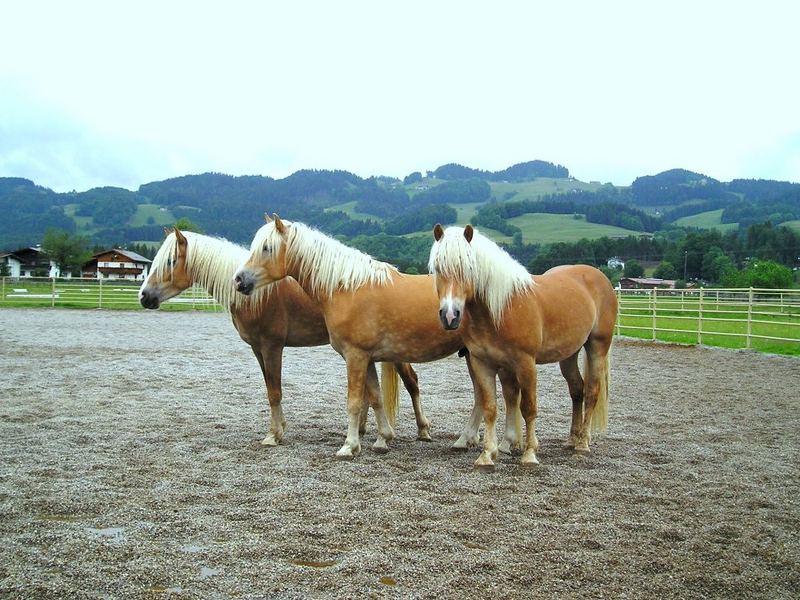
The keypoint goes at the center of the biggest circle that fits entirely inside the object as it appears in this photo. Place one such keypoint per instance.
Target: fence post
(4, 290)
(749, 317)
(653, 300)
(700, 318)
(100, 296)
(618, 292)
(53, 293)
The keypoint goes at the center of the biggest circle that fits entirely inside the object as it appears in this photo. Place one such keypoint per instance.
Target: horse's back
(595, 291)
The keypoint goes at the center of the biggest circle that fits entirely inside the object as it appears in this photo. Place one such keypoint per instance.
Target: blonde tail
(390, 388)
(600, 413)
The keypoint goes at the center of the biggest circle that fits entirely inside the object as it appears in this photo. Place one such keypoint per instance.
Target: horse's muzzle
(450, 323)
(149, 300)
(244, 283)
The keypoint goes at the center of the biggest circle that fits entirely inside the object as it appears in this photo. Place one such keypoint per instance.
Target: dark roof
(130, 254)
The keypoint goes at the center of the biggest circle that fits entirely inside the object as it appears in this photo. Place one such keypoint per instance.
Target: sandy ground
(130, 466)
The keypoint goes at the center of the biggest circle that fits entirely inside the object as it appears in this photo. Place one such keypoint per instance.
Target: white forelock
(495, 275)
(327, 264)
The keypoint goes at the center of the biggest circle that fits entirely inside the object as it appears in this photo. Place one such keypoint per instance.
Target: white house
(615, 262)
(117, 264)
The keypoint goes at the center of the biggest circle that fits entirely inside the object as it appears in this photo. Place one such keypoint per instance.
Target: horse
(512, 320)
(276, 316)
(373, 313)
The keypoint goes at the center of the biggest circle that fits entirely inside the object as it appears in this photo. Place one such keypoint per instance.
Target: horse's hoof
(380, 447)
(459, 449)
(424, 438)
(269, 441)
(505, 447)
(529, 459)
(485, 468)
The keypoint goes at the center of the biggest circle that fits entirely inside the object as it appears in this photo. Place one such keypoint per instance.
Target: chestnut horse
(275, 317)
(514, 321)
(372, 311)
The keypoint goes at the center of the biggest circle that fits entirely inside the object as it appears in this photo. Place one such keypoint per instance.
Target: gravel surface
(130, 466)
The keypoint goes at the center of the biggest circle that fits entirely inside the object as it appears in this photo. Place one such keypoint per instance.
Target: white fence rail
(746, 317)
(91, 293)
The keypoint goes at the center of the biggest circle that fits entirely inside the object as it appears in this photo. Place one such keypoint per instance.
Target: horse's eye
(265, 249)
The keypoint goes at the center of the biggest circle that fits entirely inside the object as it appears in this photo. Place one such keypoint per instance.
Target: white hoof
(529, 459)
(380, 446)
(347, 453)
(270, 440)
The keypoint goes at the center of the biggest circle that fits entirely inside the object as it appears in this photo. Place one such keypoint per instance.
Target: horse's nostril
(238, 279)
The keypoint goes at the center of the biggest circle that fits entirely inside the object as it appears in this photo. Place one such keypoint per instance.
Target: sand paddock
(130, 466)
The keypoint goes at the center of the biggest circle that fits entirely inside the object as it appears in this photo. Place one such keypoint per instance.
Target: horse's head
(452, 264)
(267, 261)
(168, 275)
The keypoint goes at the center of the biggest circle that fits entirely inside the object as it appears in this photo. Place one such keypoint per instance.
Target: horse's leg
(571, 372)
(385, 431)
(469, 437)
(595, 386)
(357, 364)
(411, 383)
(270, 360)
(526, 375)
(362, 417)
(484, 382)
(512, 437)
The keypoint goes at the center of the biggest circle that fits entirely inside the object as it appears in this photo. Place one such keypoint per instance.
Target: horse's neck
(216, 275)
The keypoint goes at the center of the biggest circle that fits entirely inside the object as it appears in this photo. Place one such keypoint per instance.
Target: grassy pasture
(711, 219)
(145, 211)
(545, 228)
(724, 323)
(792, 225)
(530, 190)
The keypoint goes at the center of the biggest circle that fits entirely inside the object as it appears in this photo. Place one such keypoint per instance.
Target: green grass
(711, 219)
(85, 225)
(530, 190)
(349, 208)
(145, 211)
(719, 321)
(792, 225)
(545, 228)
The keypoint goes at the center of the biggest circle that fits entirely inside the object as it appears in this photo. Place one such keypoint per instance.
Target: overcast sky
(114, 93)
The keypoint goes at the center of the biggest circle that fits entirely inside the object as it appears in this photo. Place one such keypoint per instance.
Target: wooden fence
(740, 318)
(743, 318)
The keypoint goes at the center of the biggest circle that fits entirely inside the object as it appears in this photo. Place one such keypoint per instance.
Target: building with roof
(117, 264)
(29, 262)
(646, 283)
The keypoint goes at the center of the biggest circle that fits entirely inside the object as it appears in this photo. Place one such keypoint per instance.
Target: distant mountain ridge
(233, 206)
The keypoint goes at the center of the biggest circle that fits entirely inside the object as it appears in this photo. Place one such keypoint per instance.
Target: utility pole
(685, 256)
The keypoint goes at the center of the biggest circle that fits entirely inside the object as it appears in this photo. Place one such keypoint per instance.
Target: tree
(5, 271)
(185, 224)
(67, 250)
(665, 270)
(763, 274)
(633, 269)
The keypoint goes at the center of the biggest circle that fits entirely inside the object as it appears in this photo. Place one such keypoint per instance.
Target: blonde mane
(211, 263)
(496, 276)
(324, 263)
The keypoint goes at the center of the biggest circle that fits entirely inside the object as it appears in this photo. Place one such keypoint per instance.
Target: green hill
(544, 228)
(711, 219)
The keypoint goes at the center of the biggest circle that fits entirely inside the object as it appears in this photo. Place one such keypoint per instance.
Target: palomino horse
(275, 317)
(372, 311)
(514, 321)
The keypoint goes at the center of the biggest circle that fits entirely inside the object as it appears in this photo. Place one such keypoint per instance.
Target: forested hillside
(391, 218)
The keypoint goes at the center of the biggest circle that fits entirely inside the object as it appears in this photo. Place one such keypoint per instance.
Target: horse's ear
(267, 218)
(469, 232)
(179, 237)
(438, 232)
(167, 231)
(280, 227)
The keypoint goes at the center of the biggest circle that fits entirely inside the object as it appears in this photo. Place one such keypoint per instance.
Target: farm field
(146, 211)
(545, 228)
(349, 208)
(711, 219)
(541, 186)
(792, 225)
(148, 478)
